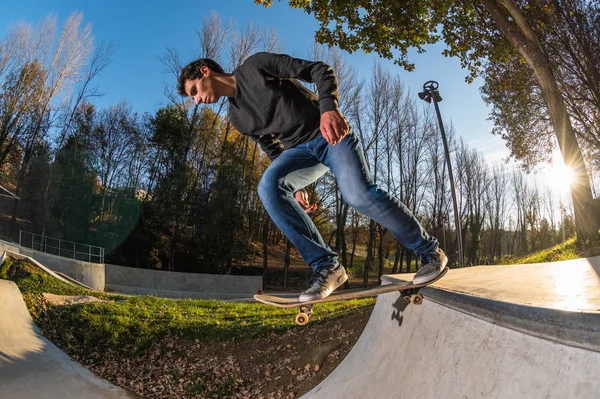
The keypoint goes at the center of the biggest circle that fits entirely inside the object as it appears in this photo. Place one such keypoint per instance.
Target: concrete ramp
(463, 342)
(32, 367)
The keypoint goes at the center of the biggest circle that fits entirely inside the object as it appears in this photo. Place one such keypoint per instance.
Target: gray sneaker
(432, 265)
(323, 283)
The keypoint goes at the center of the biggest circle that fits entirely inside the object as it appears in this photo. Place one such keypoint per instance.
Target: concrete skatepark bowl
(524, 331)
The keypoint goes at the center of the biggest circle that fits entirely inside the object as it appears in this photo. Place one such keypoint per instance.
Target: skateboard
(407, 288)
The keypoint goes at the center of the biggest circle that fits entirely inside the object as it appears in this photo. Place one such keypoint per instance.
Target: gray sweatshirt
(273, 108)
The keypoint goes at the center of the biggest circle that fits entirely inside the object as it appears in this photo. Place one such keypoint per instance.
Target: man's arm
(333, 125)
(285, 67)
(269, 144)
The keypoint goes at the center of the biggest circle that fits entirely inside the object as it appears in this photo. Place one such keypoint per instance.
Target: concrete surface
(135, 281)
(442, 349)
(58, 275)
(32, 367)
(129, 280)
(572, 285)
(525, 331)
(90, 274)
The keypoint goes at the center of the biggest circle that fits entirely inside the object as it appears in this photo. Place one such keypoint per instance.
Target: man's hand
(302, 198)
(333, 126)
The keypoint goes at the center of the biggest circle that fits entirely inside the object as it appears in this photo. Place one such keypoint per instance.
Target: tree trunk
(382, 232)
(519, 33)
(172, 248)
(396, 259)
(286, 262)
(265, 244)
(369, 254)
(13, 222)
(402, 252)
(408, 261)
(354, 239)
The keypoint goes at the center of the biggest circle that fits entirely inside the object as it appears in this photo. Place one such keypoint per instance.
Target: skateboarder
(305, 135)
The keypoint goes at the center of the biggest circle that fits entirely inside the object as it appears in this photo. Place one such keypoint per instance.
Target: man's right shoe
(432, 265)
(323, 283)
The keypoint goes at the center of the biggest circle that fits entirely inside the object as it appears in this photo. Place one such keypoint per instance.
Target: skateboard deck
(306, 306)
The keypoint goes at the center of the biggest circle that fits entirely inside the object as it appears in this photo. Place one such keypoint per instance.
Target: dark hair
(192, 71)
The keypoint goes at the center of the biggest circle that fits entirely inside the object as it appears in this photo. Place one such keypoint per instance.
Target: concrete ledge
(87, 273)
(59, 276)
(557, 301)
(130, 280)
(578, 329)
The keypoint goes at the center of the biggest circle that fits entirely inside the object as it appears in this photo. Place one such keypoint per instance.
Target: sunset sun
(559, 176)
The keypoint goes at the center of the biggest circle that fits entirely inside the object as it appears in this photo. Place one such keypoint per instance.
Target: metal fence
(66, 249)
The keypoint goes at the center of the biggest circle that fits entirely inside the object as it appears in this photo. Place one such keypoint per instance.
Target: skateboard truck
(416, 299)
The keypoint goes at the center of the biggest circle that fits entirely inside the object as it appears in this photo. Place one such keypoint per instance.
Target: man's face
(202, 89)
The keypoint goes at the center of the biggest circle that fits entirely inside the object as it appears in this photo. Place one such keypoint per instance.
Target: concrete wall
(4, 245)
(130, 280)
(90, 274)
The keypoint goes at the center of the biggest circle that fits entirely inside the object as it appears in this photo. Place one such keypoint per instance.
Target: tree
(496, 208)
(571, 37)
(114, 138)
(478, 32)
(75, 188)
(172, 139)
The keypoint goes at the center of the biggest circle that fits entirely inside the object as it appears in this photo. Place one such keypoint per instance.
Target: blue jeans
(300, 166)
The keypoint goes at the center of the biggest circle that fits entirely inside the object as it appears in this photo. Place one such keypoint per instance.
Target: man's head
(197, 80)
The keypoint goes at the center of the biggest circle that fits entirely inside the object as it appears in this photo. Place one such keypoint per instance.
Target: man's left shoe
(432, 265)
(323, 283)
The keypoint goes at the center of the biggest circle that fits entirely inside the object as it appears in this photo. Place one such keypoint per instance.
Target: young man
(305, 135)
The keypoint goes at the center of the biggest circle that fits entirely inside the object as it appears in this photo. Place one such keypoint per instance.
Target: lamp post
(430, 92)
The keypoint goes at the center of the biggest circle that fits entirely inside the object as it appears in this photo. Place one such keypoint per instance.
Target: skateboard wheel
(417, 299)
(406, 299)
(301, 319)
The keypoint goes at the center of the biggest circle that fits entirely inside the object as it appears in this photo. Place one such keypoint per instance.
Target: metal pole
(429, 93)
(452, 185)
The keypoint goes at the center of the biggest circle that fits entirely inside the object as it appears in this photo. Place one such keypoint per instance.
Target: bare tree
(214, 36)
(63, 58)
(371, 120)
(521, 198)
(270, 41)
(114, 139)
(497, 209)
(243, 44)
(415, 141)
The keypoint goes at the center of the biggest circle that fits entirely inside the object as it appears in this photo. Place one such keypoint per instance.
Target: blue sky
(143, 29)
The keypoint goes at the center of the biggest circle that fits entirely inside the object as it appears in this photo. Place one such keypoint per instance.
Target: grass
(569, 249)
(131, 324)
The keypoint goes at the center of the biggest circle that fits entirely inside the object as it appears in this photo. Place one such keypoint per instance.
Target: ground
(69, 299)
(190, 349)
(276, 366)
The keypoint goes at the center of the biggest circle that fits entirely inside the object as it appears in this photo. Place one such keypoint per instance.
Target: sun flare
(559, 176)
